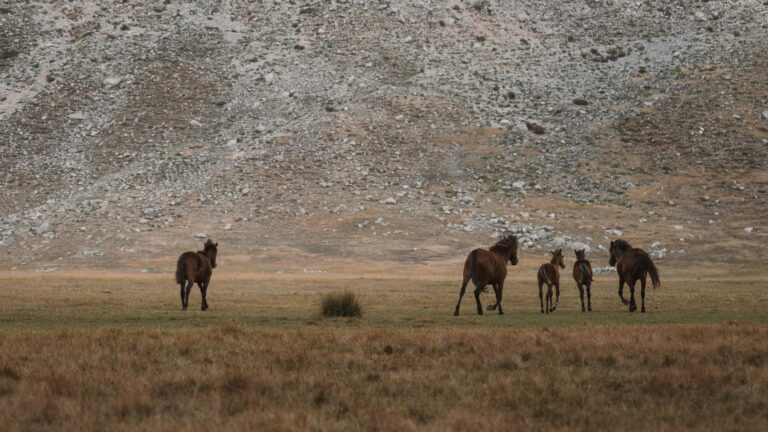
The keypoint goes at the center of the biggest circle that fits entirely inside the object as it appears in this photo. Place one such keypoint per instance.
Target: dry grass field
(105, 351)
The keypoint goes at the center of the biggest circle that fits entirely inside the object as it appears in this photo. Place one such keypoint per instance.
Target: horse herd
(483, 267)
(489, 267)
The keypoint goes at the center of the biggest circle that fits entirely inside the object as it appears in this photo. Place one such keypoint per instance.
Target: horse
(549, 274)
(632, 264)
(582, 274)
(485, 267)
(196, 267)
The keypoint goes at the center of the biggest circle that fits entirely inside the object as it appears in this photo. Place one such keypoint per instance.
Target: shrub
(340, 304)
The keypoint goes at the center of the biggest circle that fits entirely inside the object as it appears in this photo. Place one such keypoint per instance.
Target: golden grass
(92, 300)
(665, 377)
(101, 351)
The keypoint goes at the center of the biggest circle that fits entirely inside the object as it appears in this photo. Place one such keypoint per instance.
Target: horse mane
(209, 245)
(621, 245)
(505, 244)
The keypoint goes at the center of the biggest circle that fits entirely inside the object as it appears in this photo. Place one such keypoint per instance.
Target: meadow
(109, 351)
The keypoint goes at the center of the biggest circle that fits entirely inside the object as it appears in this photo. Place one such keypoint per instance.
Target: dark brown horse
(550, 274)
(196, 267)
(632, 264)
(485, 267)
(582, 274)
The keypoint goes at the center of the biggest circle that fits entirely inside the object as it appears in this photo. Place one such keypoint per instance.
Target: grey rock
(43, 228)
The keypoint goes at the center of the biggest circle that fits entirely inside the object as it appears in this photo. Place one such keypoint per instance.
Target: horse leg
(632, 304)
(186, 295)
(581, 295)
(589, 297)
(642, 294)
(461, 294)
(478, 290)
(495, 293)
(205, 294)
(182, 296)
(541, 299)
(549, 298)
(203, 286)
(621, 291)
(498, 297)
(557, 299)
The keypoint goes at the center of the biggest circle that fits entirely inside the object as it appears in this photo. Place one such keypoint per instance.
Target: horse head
(618, 247)
(210, 250)
(612, 259)
(557, 257)
(580, 254)
(513, 254)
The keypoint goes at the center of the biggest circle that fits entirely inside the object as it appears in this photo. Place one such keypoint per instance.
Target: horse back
(548, 271)
(488, 269)
(629, 263)
(194, 267)
(582, 270)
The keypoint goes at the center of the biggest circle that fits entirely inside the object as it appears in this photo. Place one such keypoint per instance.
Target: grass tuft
(340, 304)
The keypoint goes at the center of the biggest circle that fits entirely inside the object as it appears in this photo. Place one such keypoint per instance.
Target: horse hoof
(501, 313)
(625, 302)
(456, 313)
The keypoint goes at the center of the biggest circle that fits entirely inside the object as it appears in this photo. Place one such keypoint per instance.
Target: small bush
(340, 304)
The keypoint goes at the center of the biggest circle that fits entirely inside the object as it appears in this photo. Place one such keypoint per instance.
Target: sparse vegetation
(102, 351)
(585, 377)
(535, 128)
(340, 304)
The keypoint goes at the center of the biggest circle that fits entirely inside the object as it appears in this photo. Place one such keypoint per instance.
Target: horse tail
(543, 273)
(647, 264)
(473, 268)
(181, 271)
(586, 276)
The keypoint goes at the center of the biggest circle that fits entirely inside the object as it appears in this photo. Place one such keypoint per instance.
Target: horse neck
(623, 252)
(504, 253)
(555, 266)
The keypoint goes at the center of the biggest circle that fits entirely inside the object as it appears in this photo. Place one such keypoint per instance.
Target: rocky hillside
(394, 130)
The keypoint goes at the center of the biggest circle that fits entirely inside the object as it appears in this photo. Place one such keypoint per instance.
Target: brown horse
(550, 274)
(485, 267)
(582, 274)
(632, 264)
(196, 267)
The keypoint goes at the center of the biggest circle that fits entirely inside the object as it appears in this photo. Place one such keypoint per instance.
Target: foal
(485, 267)
(549, 274)
(196, 267)
(582, 274)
